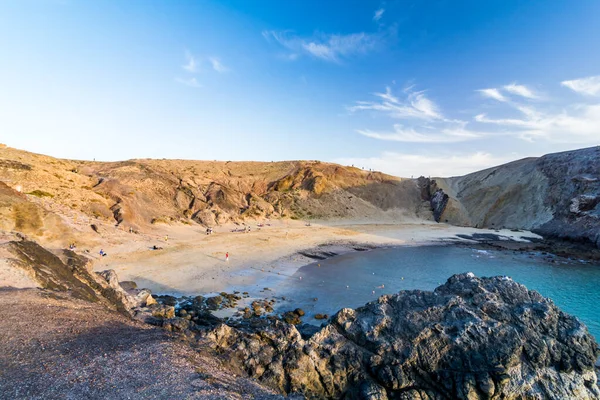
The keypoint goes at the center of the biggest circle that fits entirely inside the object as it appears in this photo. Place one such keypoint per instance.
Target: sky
(408, 87)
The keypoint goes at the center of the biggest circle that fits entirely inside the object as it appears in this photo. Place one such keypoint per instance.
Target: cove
(353, 279)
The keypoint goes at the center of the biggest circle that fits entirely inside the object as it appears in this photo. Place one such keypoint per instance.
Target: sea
(353, 279)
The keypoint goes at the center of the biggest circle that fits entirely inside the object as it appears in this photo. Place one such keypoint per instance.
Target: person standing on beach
(227, 256)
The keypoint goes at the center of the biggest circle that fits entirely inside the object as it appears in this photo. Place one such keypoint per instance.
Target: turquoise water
(353, 279)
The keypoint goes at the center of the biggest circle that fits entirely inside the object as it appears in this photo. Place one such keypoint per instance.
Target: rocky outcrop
(70, 272)
(557, 195)
(471, 338)
(430, 192)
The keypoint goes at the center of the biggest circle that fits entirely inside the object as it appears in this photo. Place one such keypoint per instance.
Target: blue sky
(408, 87)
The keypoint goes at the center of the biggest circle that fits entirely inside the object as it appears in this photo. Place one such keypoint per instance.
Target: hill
(557, 195)
(55, 200)
(46, 197)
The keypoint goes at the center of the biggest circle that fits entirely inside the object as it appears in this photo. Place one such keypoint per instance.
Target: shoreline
(194, 264)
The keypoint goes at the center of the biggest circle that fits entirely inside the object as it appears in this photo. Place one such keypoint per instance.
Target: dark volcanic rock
(471, 338)
(438, 200)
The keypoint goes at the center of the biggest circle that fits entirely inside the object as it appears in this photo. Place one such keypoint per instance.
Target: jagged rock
(291, 318)
(214, 302)
(307, 330)
(69, 271)
(143, 298)
(472, 338)
(166, 300)
(162, 311)
(128, 285)
(437, 198)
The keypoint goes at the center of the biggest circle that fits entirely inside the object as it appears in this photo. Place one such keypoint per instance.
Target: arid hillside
(52, 199)
(556, 195)
(36, 189)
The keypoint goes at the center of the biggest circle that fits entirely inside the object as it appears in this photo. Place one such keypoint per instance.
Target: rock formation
(472, 338)
(557, 195)
(71, 272)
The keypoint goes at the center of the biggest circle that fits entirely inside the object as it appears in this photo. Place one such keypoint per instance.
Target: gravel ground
(53, 346)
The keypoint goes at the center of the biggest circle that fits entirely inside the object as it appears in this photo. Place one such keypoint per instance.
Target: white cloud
(521, 90)
(325, 47)
(453, 134)
(191, 64)
(435, 165)
(577, 124)
(191, 82)
(431, 125)
(378, 14)
(416, 105)
(493, 93)
(217, 65)
(589, 86)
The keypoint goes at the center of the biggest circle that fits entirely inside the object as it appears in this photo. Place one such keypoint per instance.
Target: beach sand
(192, 263)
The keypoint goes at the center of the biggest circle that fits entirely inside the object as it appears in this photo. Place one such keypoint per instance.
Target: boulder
(214, 302)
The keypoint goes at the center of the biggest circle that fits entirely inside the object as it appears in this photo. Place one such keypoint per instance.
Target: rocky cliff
(472, 338)
(557, 195)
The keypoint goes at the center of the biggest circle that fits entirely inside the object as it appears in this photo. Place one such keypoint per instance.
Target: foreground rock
(471, 338)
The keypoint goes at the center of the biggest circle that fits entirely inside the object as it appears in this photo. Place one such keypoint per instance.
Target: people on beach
(102, 253)
(227, 256)
(72, 246)
(166, 238)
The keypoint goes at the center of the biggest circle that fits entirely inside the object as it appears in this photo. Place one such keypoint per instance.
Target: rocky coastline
(470, 338)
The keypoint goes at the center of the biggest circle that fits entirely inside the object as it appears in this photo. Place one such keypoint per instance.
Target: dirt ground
(56, 347)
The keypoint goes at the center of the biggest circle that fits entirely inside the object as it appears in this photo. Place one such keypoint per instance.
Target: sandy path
(191, 263)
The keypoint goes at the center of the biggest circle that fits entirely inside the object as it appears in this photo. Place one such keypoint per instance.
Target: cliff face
(556, 195)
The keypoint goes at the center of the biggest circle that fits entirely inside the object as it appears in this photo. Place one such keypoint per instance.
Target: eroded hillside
(35, 189)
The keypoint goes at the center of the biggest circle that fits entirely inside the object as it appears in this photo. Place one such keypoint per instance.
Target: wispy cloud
(191, 64)
(578, 124)
(519, 117)
(565, 123)
(326, 47)
(378, 14)
(521, 90)
(511, 89)
(191, 82)
(493, 93)
(589, 86)
(449, 134)
(217, 65)
(416, 105)
(438, 165)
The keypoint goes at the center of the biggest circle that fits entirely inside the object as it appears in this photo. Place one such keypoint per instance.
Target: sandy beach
(191, 262)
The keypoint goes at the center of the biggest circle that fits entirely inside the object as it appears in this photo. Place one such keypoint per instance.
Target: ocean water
(353, 279)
